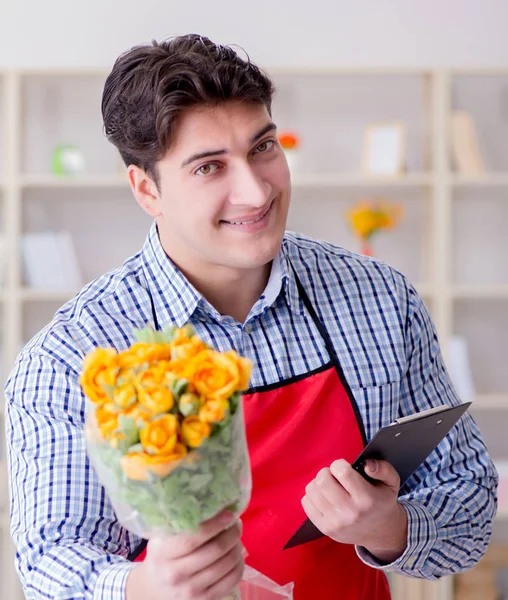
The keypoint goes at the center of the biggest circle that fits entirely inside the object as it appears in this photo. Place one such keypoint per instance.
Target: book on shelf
(465, 146)
(50, 261)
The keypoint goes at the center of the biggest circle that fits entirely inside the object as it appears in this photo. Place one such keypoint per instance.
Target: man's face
(224, 190)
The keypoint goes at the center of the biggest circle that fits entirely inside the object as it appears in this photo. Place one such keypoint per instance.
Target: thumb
(382, 471)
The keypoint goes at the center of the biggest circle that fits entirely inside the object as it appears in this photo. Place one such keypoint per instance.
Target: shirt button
(248, 328)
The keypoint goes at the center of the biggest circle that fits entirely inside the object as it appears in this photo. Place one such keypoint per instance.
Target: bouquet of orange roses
(165, 430)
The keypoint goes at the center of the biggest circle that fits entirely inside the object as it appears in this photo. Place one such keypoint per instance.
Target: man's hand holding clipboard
(405, 444)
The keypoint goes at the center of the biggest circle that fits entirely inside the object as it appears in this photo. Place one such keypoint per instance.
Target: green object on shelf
(67, 160)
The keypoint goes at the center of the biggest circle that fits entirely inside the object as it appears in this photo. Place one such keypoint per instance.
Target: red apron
(294, 429)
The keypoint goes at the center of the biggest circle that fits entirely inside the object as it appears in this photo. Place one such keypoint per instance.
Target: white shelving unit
(450, 242)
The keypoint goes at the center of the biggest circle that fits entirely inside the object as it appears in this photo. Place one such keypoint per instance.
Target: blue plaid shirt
(69, 543)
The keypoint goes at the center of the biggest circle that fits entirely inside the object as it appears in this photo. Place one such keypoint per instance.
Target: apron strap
(330, 349)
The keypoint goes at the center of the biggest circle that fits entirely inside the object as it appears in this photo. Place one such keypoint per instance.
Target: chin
(256, 256)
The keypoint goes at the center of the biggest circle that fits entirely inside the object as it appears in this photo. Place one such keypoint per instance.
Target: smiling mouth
(251, 221)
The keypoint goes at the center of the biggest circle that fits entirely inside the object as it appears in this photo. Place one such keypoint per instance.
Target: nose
(249, 188)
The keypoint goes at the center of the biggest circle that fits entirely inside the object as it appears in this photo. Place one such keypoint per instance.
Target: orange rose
(138, 465)
(152, 394)
(244, 367)
(140, 415)
(184, 347)
(194, 431)
(153, 375)
(157, 399)
(162, 465)
(216, 375)
(134, 465)
(125, 395)
(99, 369)
(159, 436)
(214, 410)
(141, 353)
(107, 419)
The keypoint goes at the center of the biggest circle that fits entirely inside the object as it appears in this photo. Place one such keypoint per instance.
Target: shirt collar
(176, 299)
(293, 298)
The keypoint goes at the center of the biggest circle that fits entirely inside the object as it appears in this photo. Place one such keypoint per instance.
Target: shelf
(81, 181)
(358, 180)
(467, 292)
(443, 210)
(30, 295)
(489, 179)
(490, 402)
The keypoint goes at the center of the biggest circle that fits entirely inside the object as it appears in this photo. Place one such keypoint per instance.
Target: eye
(264, 146)
(207, 169)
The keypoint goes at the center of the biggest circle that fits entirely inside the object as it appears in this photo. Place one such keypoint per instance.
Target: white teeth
(247, 222)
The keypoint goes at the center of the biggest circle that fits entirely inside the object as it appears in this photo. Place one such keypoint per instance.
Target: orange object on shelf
(288, 140)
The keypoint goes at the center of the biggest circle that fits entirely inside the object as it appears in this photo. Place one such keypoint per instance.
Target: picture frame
(384, 149)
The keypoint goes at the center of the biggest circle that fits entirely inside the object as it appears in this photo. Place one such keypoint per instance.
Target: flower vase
(367, 248)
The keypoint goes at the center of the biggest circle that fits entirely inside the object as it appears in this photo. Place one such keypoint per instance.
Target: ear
(145, 190)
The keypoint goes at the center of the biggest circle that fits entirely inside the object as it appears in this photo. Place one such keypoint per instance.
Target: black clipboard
(405, 444)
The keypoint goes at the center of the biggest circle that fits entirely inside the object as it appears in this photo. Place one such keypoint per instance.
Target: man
(341, 346)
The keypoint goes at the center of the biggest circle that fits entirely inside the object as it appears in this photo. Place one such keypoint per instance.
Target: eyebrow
(208, 153)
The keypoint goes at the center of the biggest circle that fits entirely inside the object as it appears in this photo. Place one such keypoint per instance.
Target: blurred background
(391, 107)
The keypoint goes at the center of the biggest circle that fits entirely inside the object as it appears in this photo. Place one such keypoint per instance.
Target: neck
(239, 293)
(232, 293)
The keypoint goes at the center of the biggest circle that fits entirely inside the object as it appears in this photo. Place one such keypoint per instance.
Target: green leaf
(145, 335)
(178, 387)
(186, 513)
(127, 426)
(199, 481)
(135, 448)
(234, 401)
(225, 435)
(169, 330)
(108, 389)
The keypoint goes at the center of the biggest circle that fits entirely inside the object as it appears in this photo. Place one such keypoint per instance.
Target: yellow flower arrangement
(370, 216)
(165, 429)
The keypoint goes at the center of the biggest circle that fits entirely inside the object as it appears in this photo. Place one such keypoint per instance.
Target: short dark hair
(151, 85)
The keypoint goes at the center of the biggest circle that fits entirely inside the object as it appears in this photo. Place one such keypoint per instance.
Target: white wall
(42, 33)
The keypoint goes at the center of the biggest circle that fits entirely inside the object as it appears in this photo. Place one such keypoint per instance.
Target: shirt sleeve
(68, 540)
(450, 500)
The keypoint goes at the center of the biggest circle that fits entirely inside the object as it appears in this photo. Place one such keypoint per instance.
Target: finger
(219, 569)
(212, 551)
(316, 493)
(313, 513)
(331, 489)
(383, 471)
(182, 544)
(224, 587)
(352, 482)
